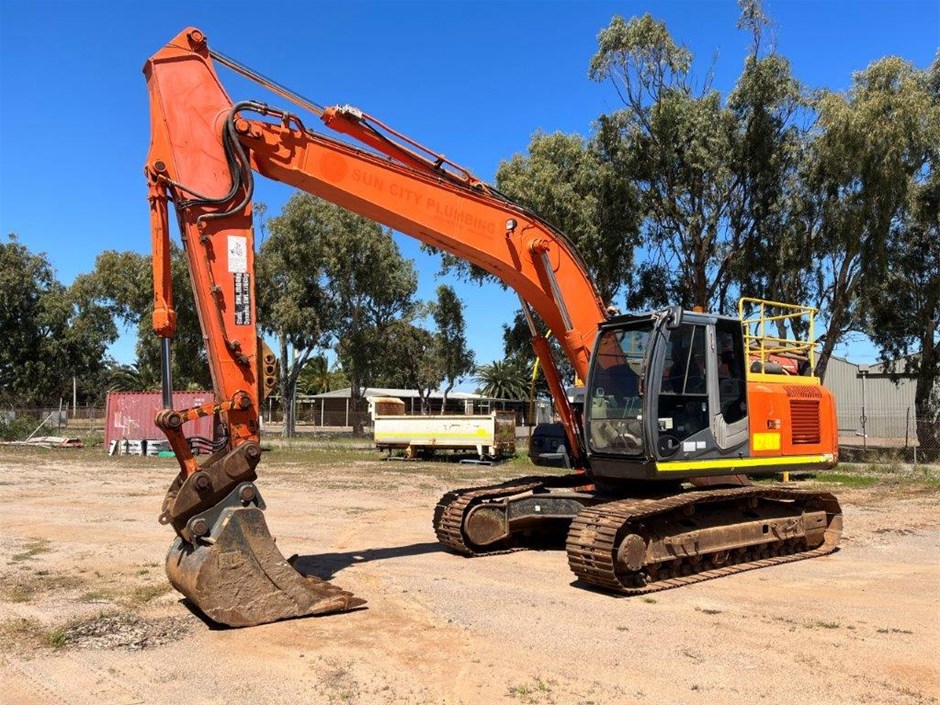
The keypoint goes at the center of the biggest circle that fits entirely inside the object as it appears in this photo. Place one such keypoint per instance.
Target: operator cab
(666, 388)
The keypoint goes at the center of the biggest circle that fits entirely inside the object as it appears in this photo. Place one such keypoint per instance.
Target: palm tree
(317, 377)
(504, 379)
(132, 378)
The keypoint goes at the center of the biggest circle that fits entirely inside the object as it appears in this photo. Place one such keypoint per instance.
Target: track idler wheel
(236, 575)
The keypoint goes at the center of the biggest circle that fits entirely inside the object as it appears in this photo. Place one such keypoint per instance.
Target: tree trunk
(444, 398)
(287, 390)
(927, 396)
(832, 338)
(355, 395)
(425, 396)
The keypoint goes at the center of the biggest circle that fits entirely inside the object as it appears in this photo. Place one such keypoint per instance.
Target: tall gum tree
(676, 141)
(873, 145)
(450, 340)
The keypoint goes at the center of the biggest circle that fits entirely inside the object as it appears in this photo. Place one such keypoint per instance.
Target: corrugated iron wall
(888, 407)
(130, 415)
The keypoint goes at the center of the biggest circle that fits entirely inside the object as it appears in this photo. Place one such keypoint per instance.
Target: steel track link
(592, 539)
(452, 508)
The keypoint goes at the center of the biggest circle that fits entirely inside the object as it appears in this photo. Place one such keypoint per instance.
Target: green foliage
(16, 429)
(122, 285)
(504, 379)
(317, 377)
(874, 148)
(517, 345)
(48, 333)
(639, 52)
(294, 301)
(326, 275)
(774, 248)
(901, 301)
(678, 144)
(411, 360)
(456, 357)
(133, 378)
(374, 286)
(568, 182)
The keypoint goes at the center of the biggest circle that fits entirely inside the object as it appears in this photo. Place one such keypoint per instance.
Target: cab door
(683, 406)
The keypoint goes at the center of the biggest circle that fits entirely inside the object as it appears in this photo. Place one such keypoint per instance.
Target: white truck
(491, 436)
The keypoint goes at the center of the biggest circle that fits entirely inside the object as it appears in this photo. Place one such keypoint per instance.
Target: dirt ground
(86, 615)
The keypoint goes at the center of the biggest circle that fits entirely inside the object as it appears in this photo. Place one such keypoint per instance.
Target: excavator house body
(671, 397)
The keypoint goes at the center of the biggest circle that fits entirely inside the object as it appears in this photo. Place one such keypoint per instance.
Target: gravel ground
(86, 615)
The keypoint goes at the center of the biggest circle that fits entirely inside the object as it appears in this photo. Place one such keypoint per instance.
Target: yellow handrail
(757, 340)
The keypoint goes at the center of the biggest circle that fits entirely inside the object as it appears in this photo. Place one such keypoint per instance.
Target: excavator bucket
(236, 575)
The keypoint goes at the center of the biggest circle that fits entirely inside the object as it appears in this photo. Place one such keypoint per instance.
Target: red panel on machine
(130, 415)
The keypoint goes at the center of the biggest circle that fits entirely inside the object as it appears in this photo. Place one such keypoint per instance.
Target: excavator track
(620, 546)
(452, 508)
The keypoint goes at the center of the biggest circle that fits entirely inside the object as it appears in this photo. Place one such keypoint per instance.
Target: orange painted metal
(801, 416)
(412, 192)
(187, 105)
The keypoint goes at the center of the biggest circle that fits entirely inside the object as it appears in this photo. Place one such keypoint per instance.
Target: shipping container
(130, 415)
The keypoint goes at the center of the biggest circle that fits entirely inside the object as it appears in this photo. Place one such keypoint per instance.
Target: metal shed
(872, 407)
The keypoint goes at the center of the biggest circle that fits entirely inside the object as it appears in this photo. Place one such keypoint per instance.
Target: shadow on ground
(326, 565)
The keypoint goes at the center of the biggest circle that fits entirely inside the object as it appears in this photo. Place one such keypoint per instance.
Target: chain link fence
(18, 423)
(879, 427)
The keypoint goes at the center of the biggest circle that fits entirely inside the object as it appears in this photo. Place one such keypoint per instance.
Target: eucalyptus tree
(456, 357)
(48, 334)
(122, 284)
(874, 152)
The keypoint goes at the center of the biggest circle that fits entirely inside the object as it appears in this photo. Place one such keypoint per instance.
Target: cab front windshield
(614, 406)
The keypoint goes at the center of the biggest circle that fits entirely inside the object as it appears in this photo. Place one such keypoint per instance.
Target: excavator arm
(203, 151)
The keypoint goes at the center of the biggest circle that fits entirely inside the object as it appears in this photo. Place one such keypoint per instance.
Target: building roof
(346, 393)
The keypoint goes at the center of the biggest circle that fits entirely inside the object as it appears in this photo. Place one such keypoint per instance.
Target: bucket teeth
(239, 578)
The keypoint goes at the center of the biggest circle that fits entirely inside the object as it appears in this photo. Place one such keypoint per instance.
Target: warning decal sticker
(237, 253)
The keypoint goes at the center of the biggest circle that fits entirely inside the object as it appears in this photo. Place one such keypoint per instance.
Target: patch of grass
(519, 691)
(97, 596)
(892, 630)
(846, 480)
(25, 586)
(623, 629)
(891, 474)
(538, 690)
(19, 593)
(144, 594)
(339, 683)
(649, 600)
(21, 633)
(56, 638)
(30, 634)
(706, 610)
(821, 624)
(34, 547)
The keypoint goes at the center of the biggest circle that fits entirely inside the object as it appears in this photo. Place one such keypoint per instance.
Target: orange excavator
(677, 407)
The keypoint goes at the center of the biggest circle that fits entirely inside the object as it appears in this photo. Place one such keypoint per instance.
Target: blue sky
(473, 80)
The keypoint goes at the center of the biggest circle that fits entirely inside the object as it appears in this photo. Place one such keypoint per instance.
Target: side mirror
(674, 318)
